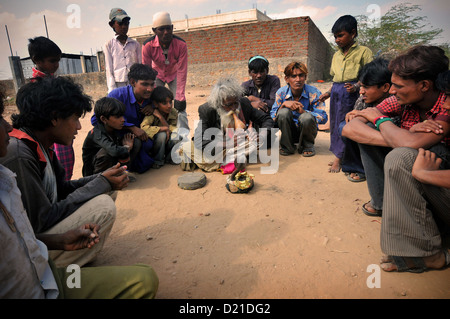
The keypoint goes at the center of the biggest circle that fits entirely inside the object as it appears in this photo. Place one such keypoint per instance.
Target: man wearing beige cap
(168, 55)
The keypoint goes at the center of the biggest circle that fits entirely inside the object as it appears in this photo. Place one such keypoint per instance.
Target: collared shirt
(309, 99)
(133, 115)
(361, 105)
(151, 123)
(345, 68)
(266, 92)
(24, 270)
(118, 60)
(175, 66)
(410, 113)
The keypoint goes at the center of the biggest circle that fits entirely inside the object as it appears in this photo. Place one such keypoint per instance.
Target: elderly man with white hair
(229, 127)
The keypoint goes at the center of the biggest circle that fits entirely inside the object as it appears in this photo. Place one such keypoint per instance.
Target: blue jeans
(372, 158)
(351, 160)
(162, 149)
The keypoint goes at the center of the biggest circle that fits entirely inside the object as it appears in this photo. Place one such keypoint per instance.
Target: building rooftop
(217, 20)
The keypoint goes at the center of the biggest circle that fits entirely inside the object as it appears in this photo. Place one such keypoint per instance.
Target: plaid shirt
(410, 114)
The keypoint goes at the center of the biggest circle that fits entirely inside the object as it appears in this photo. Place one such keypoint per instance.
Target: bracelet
(382, 120)
(378, 118)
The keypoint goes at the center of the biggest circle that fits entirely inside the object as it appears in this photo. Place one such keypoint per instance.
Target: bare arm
(324, 96)
(358, 131)
(426, 170)
(398, 137)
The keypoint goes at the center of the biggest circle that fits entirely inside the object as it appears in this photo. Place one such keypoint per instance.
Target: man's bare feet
(437, 261)
(335, 166)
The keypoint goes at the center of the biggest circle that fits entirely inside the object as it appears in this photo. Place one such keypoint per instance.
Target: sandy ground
(300, 233)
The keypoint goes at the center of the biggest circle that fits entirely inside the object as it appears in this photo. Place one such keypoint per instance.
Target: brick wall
(225, 50)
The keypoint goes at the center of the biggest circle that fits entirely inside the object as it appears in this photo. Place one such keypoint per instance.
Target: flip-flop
(413, 264)
(368, 213)
(361, 178)
(311, 152)
(284, 153)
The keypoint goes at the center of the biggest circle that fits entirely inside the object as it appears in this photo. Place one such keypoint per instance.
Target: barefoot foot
(335, 166)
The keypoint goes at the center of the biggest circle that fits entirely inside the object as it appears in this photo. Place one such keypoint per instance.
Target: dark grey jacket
(95, 140)
(25, 158)
(209, 118)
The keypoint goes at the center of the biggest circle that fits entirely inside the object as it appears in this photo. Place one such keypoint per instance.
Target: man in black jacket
(228, 125)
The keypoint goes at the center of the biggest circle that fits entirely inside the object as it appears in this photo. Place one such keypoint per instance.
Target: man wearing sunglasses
(168, 55)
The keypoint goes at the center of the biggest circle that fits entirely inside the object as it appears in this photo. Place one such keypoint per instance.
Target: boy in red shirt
(46, 56)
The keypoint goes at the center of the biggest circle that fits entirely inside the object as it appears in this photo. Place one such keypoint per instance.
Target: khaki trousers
(100, 210)
(108, 282)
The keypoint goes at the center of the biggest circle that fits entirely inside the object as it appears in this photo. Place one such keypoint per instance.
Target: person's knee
(400, 159)
(159, 139)
(102, 161)
(307, 119)
(149, 280)
(284, 114)
(104, 204)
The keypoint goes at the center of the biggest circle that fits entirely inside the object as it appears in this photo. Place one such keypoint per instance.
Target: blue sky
(25, 18)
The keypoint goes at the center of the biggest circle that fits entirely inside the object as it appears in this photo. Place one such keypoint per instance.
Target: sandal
(374, 213)
(284, 153)
(362, 177)
(412, 264)
(308, 152)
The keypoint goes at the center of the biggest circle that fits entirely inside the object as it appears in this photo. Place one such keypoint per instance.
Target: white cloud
(313, 12)
(87, 38)
(153, 5)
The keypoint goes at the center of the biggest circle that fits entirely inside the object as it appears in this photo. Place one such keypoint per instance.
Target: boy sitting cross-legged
(106, 144)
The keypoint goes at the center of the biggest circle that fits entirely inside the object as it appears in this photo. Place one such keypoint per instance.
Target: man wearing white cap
(121, 52)
(168, 55)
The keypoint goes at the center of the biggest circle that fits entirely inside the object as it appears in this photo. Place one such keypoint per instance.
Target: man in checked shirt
(415, 99)
(415, 214)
